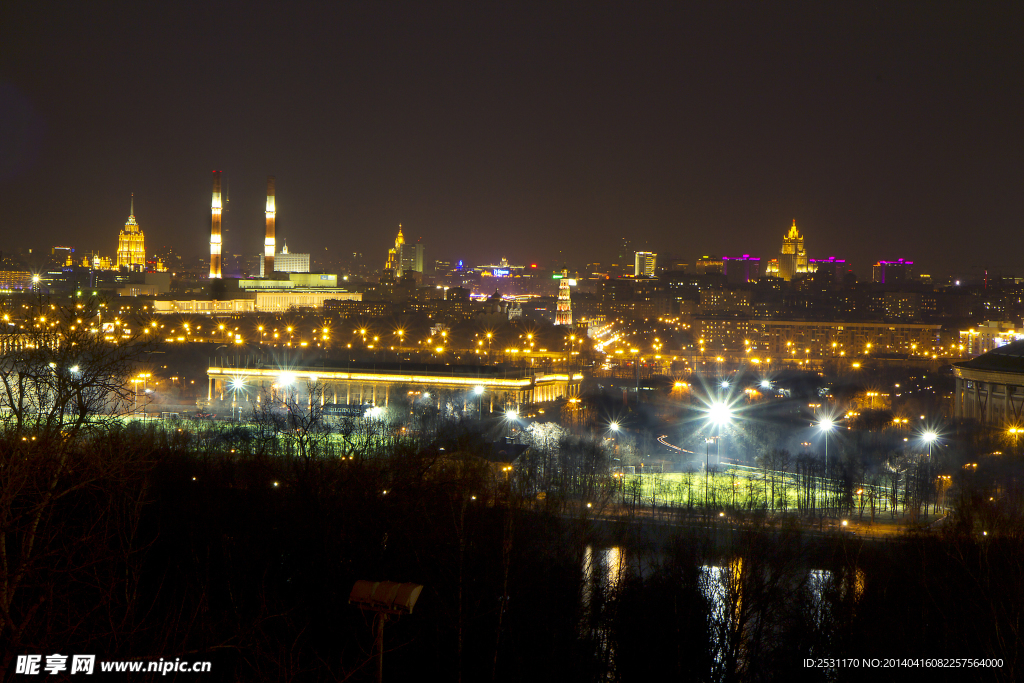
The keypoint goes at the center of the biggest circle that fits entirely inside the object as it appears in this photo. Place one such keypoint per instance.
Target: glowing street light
(720, 413)
(826, 424)
(929, 438)
(479, 391)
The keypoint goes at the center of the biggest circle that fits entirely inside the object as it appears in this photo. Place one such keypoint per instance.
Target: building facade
(644, 264)
(131, 245)
(990, 388)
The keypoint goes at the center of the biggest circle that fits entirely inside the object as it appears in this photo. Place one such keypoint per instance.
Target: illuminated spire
(131, 249)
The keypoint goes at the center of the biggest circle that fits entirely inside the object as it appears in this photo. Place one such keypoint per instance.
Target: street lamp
(1015, 432)
(479, 391)
(929, 438)
(237, 384)
(826, 425)
(720, 414)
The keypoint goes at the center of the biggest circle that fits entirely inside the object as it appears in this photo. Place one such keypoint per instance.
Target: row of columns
(979, 400)
(350, 392)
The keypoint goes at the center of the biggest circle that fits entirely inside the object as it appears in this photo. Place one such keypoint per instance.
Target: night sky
(505, 129)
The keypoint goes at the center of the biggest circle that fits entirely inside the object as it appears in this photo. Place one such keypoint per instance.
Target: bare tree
(63, 383)
(296, 416)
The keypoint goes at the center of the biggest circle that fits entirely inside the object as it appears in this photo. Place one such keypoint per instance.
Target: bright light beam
(720, 413)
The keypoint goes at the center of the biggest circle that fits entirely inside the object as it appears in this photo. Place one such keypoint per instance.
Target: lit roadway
(661, 440)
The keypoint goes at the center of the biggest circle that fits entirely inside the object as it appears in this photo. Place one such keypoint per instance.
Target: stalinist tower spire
(131, 249)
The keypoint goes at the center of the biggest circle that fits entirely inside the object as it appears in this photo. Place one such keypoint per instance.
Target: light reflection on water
(603, 572)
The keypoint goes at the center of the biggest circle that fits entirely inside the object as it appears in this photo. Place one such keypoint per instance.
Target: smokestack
(215, 228)
(270, 245)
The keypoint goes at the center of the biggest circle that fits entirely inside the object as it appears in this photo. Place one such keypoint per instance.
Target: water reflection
(603, 572)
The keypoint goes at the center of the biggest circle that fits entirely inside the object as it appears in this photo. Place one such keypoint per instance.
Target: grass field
(733, 486)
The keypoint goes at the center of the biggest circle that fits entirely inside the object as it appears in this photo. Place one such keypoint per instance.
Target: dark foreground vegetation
(146, 542)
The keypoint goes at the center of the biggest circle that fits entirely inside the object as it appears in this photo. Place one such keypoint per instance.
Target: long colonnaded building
(990, 388)
(380, 383)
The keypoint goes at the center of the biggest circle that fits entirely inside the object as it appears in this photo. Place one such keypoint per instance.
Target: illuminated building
(131, 249)
(355, 384)
(990, 388)
(501, 269)
(215, 239)
(563, 313)
(412, 258)
(286, 262)
(709, 265)
(989, 335)
(792, 258)
(270, 242)
(15, 279)
(394, 262)
(891, 272)
(97, 262)
(644, 263)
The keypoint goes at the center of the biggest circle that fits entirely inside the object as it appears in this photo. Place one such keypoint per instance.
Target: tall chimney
(215, 228)
(270, 245)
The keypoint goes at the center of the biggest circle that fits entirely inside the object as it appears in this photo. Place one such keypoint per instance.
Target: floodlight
(286, 379)
(826, 424)
(479, 390)
(720, 413)
(766, 384)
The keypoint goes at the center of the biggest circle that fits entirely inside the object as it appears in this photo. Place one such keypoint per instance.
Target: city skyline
(886, 133)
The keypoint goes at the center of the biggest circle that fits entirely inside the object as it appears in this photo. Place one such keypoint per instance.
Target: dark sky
(506, 129)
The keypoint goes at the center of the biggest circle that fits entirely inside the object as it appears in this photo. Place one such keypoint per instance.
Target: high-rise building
(892, 272)
(131, 249)
(394, 262)
(707, 265)
(412, 257)
(741, 269)
(792, 258)
(215, 239)
(286, 262)
(835, 267)
(270, 242)
(644, 264)
(563, 312)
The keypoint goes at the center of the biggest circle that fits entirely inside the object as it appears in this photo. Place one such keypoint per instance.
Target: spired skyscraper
(404, 257)
(793, 257)
(394, 262)
(131, 247)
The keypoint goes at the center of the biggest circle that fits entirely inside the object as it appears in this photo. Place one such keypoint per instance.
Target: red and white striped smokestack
(215, 241)
(270, 245)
